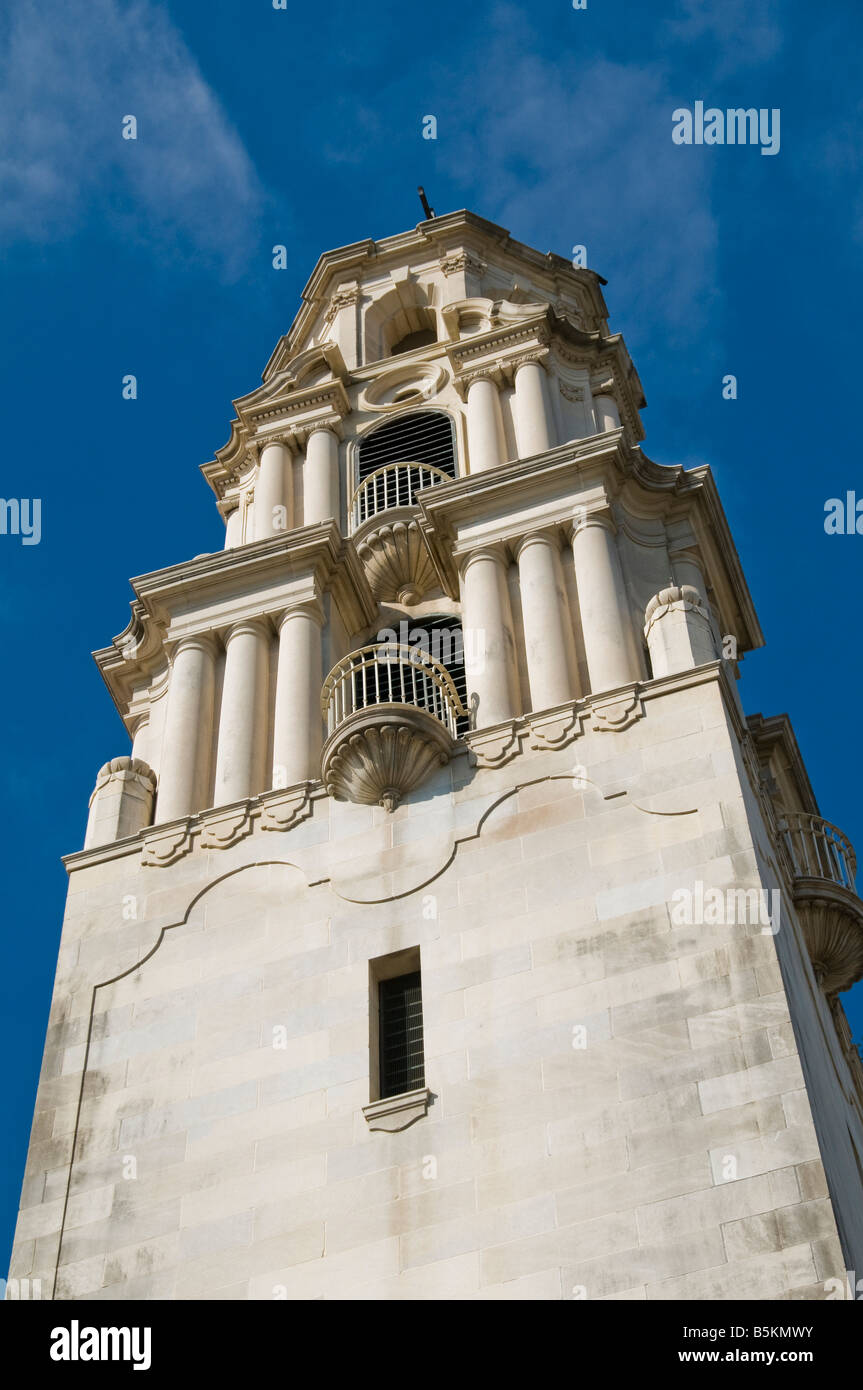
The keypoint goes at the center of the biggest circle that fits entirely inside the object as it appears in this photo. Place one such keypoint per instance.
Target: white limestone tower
(450, 932)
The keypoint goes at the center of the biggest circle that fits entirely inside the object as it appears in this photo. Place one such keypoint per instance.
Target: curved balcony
(385, 530)
(823, 866)
(392, 715)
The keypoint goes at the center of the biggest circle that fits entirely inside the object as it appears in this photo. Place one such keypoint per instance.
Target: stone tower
(450, 931)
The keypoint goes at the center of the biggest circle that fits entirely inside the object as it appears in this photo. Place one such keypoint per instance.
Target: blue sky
(303, 127)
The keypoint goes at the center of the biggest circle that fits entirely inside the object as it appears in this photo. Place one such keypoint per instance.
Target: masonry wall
(672, 1156)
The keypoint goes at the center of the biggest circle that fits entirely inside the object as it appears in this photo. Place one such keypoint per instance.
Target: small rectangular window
(396, 1018)
(401, 1042)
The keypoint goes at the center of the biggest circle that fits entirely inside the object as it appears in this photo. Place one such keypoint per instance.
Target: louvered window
(401, 1035)
(423, 437)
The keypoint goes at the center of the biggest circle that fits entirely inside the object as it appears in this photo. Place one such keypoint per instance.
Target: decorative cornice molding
(570, 393)
(555, 729)
(282, 809)
(164, 844)
(224, 826)
(497, 745)
(457, 261)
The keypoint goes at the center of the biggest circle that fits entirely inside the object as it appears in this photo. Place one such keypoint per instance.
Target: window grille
(402, 1067)
(423, 437)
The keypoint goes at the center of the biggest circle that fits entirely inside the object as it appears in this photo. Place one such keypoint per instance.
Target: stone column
(605, 621)
(273, 500)
(234, 529)
(243, 716)
(321, 477)
(488, 641)
(298, 723)
(140, 739)
(184, 776)
(543, 608)
(484, 425)
(607, 413)
(532, 423)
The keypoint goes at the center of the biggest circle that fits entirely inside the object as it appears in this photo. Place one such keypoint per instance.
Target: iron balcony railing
(817, 849)
(387, 673)
(394, 485)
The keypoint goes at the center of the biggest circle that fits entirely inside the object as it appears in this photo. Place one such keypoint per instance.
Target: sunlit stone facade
(637, 1083)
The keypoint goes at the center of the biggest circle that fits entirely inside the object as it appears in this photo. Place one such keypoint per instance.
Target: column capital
(286, 438)
(492, 372)
(491, 551)
(330, 424)
(312, 608)
(206, 642)
(599, 516)
(534, 356)
(542, 535)
(256, 627)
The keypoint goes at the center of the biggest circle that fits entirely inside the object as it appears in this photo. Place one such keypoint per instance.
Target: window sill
(397, 1112)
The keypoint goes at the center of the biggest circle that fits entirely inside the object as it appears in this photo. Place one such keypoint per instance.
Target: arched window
(425, 436)
(398, 459)
(421, 338)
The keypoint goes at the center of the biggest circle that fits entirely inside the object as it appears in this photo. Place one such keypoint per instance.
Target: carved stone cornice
(283, 808)
(347, 296)
(327, 399)
(497, 745)
(556, 728)
(617, 712)
(226, 825)
(165, 844)
(569, 392)
(455, 262)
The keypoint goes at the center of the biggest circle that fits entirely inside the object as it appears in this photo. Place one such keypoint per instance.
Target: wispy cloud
(581, 151)
(742, 33)
(69, 75)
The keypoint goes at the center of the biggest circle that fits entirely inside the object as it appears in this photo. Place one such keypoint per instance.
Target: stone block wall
(618, 1107)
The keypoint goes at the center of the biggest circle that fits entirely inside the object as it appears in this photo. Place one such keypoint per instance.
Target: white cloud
(70, 73)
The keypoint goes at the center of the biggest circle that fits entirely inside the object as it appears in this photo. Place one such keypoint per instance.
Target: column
(484, 425)
(185, 758)
(321, 477)
(543, 609)
(243, 716)
(607, 413)
(273, 502)
(605, 622)
(488, 642)
(298, 721)
(140, 739)
(532, 425)
(234, 529)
